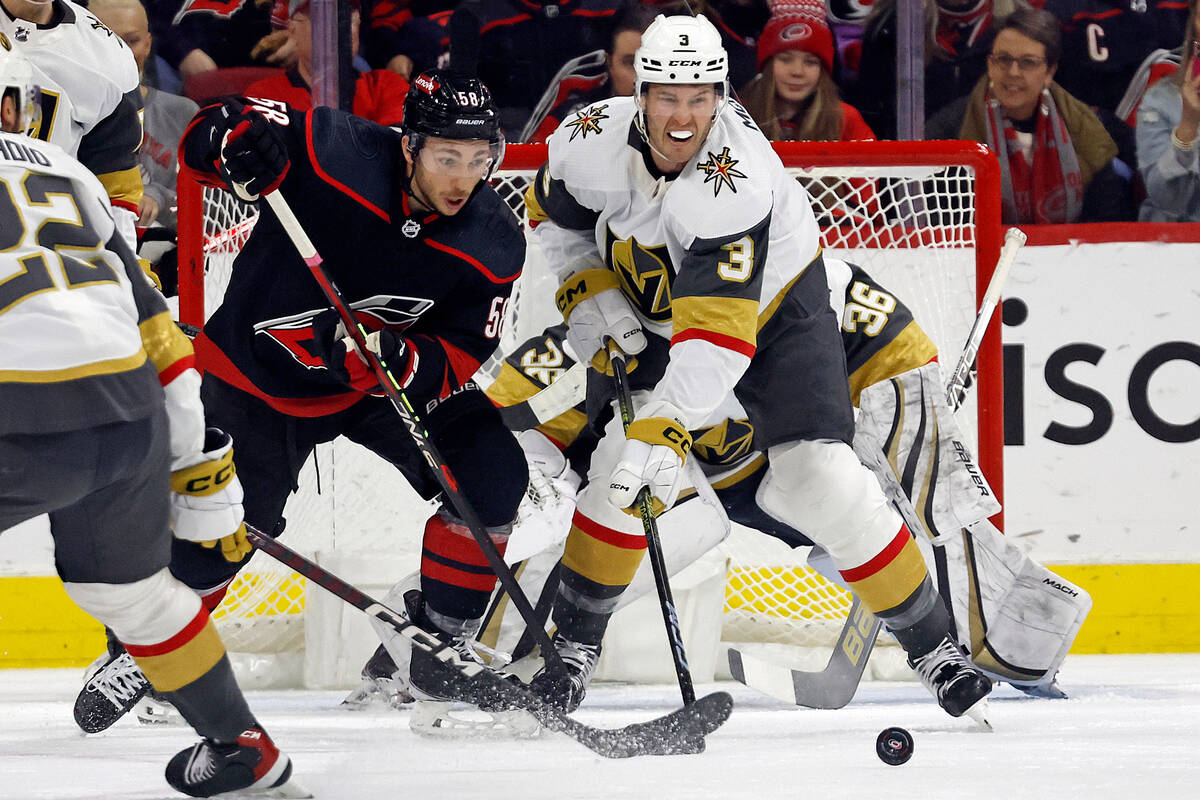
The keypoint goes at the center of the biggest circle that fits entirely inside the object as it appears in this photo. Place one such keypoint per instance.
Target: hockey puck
(894, 746)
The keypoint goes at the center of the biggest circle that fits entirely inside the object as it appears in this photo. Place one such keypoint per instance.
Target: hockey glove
(335, 347)
(254, 157)
(206, 499)
(653, 456)
(595, 309)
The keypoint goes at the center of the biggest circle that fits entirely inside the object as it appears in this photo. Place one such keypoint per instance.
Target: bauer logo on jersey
(295, 334)
(587, 120)
(720, 170)
(645, 271)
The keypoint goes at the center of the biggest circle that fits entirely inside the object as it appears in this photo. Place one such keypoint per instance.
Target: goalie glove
(653, 456)
(254, 157)
(596, 310)
(334, 346)
(206, 499)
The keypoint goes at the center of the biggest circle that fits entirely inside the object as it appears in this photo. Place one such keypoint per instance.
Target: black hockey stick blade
(832, 687)
(679, 732)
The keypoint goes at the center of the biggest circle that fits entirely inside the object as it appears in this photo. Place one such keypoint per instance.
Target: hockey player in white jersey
(90, 103)
(102, 429)
(679, 236)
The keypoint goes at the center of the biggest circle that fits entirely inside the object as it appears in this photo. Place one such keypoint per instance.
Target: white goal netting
(921, 217)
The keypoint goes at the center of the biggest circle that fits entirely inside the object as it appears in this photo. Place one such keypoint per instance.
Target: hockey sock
(597, 566)
(213, 704)
(456, 579)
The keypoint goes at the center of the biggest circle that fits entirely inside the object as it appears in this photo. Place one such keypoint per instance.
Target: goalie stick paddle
(835, 685)
(412, 423)
(658, 565)
(680, 732)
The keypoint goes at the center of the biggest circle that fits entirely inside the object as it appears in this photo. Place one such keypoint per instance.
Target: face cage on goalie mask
(28, 103)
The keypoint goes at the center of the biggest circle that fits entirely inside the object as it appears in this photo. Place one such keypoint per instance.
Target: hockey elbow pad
(206, 499)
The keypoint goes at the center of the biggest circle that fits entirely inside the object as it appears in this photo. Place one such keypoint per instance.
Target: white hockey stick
(962, 377)
(834, 686)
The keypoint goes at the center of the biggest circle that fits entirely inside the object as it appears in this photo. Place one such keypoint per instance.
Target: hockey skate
(155, 709)
(565, 690)
(114, 685)
(251, 766)
(958, 687)
(448, 704)
(383, 683)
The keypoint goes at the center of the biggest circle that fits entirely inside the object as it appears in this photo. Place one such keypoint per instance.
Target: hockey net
(921, 217)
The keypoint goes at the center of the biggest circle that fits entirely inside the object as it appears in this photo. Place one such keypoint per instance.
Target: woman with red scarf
(1058, 163)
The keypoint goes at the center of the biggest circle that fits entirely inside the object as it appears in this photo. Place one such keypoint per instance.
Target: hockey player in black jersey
(425, 253)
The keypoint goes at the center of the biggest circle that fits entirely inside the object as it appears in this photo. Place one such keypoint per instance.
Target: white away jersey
(75, 308)
(705, 257)
(90, 101)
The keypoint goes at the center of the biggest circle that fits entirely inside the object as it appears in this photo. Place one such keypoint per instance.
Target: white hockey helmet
(16, 81)
(680, 49)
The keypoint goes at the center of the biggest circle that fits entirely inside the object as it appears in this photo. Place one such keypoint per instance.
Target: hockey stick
(834, 686)
(962, 377)
(680, 732)
(557, 398)
(412, 422)
(658, 565)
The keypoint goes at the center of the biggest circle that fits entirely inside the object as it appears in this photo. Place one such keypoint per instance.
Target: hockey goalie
(1014, 619)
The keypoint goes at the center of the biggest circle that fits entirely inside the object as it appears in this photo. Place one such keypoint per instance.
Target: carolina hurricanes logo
(222, 8)
(587, 120)
(294, 333)
(720, 170)
(797, 30)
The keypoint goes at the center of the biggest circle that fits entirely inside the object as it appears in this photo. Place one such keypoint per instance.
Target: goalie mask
(680, 50)
(452, 105)
(16, 82)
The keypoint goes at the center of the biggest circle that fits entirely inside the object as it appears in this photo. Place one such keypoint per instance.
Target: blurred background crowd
(1093, 102)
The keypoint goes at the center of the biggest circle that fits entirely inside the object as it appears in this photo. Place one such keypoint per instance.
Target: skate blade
(152, 712)
(442, 720)
(979, 715)
(291, 790)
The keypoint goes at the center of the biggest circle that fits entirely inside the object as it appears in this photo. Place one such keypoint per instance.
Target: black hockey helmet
(451, 105)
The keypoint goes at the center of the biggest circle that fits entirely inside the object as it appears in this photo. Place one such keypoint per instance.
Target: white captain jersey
(90, 101)
(704, 257)
(71, 352)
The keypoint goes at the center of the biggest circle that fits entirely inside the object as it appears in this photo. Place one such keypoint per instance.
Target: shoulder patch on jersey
(587, 120)
(720, 169)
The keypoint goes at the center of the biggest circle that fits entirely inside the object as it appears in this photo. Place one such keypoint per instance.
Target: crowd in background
(1091, 106)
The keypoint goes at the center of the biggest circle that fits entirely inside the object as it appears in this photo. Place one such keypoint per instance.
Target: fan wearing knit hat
(794, 98)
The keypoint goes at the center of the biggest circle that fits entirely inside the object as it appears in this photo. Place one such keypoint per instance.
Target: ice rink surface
(1130, 730)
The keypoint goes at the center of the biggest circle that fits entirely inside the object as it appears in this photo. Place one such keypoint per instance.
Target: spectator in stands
(958, 37)
(1058, 164)
(794, 98)
(517, 47)
(197, 36)
(1168, 131)
(164, 119)
(406, 36)
(378, 94)
(1106, 42)
(614, 78)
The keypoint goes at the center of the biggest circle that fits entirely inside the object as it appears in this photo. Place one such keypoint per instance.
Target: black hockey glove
(254, 157)
(334, 346)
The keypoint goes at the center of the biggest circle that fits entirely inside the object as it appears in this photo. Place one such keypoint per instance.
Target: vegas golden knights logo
(645, 272)
(727, 443)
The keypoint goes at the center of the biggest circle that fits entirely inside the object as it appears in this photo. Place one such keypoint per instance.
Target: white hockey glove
(595, 310)
(653, 456)
(206, 499)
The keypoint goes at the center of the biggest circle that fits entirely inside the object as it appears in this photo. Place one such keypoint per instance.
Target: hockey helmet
(680, 49)
(451, 105)
(16, 81)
